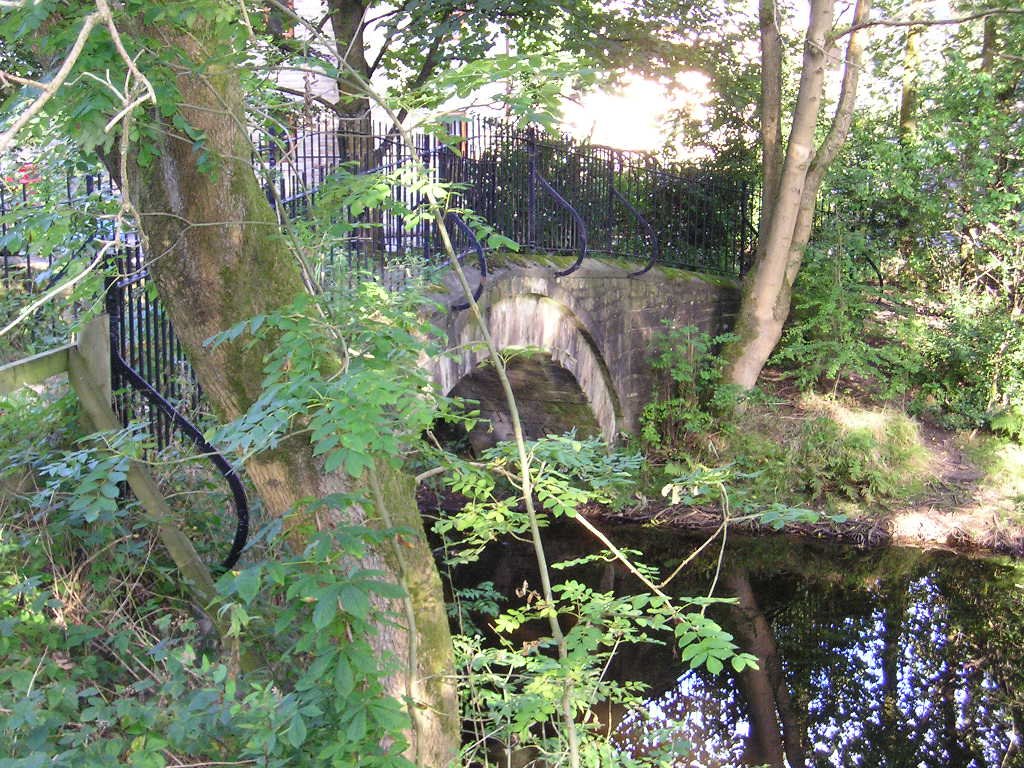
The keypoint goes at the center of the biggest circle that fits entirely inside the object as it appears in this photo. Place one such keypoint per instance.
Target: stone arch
(531, 319)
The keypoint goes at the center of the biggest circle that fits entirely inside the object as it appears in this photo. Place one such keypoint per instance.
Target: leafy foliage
(696, 393)
(829, 334)
(941, 205)
(973, 361)
(566, 473)
(514, 690)
(377, 402)
(105, 662)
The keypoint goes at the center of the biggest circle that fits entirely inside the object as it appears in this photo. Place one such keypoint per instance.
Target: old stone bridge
(577, 347)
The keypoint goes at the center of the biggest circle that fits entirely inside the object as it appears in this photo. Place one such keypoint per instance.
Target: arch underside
(549, 400)
(556, 371)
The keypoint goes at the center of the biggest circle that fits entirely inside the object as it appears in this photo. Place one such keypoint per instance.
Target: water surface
(892, 657)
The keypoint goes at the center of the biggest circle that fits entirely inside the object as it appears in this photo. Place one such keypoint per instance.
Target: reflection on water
(894, 657)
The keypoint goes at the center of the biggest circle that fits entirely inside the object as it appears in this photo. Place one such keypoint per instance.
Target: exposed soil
(959, 510)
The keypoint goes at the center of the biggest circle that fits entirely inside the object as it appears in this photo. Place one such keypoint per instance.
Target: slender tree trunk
(787, 225)
(771, 113)
(911, 64)
(759, 324)
(347, 26)
(218, 257)
(989, 44)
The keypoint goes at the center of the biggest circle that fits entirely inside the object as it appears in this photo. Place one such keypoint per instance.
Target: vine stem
(410, 616)
(55, 82)
(27, 311)
(568, 721)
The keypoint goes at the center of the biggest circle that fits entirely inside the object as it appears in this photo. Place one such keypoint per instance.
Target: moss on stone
(558, 261)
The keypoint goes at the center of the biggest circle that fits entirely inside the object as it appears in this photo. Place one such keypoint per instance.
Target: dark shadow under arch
(549, 399)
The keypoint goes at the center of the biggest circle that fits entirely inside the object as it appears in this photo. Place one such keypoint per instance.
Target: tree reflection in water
(898, 658)
(887, 658)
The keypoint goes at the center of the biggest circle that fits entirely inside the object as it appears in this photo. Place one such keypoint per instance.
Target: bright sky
(632, 117)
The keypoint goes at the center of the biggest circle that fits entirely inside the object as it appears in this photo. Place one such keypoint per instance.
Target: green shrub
(974, 365)
(833, 310)
(861, 463)
(695, 394)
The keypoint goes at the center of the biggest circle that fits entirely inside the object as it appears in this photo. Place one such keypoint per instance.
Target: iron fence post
(272, 164)
(426, 226)
(531, 199)
(609, 198)
(742, 264)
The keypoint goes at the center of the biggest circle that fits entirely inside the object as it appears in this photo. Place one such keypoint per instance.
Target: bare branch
(149, 94)
(926, 22)
(7, 78)
(843, 117)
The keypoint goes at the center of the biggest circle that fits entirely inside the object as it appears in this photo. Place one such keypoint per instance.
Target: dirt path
(959, 510)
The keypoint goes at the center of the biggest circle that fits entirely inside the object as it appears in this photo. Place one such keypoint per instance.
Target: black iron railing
(153, 383)
(550, 194)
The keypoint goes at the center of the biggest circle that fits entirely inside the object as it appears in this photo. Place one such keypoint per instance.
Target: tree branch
(771, 110)
(926, 22)
(843, 117)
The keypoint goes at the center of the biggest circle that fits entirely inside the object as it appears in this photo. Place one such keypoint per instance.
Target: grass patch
(817, 451)
(868, 455)
(1002, 461)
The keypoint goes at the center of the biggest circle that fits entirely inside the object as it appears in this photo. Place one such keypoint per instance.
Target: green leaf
(325, 611)
(247, 584)
(357, 726)
(354, 601)
(296, 733)
(344, 680)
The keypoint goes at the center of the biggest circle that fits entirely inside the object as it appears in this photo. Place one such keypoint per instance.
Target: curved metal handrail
(193, 433)
(481, 259)
(580, 223)
(190, 430)
(651, 233)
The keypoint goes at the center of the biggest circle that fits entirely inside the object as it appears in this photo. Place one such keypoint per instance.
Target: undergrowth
(815, 451)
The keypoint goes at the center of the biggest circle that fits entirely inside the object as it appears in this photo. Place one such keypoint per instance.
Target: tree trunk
(347, 26)
(771, 114)
(989, 44)
(759, 323)
(911, 62)
(218, 257)
(787, 225)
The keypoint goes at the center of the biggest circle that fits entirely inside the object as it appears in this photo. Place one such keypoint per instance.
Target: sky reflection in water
(888, 659)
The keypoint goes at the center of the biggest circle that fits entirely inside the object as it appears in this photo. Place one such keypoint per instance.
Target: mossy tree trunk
(790, 193)
(911, 65)
(218, 258)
